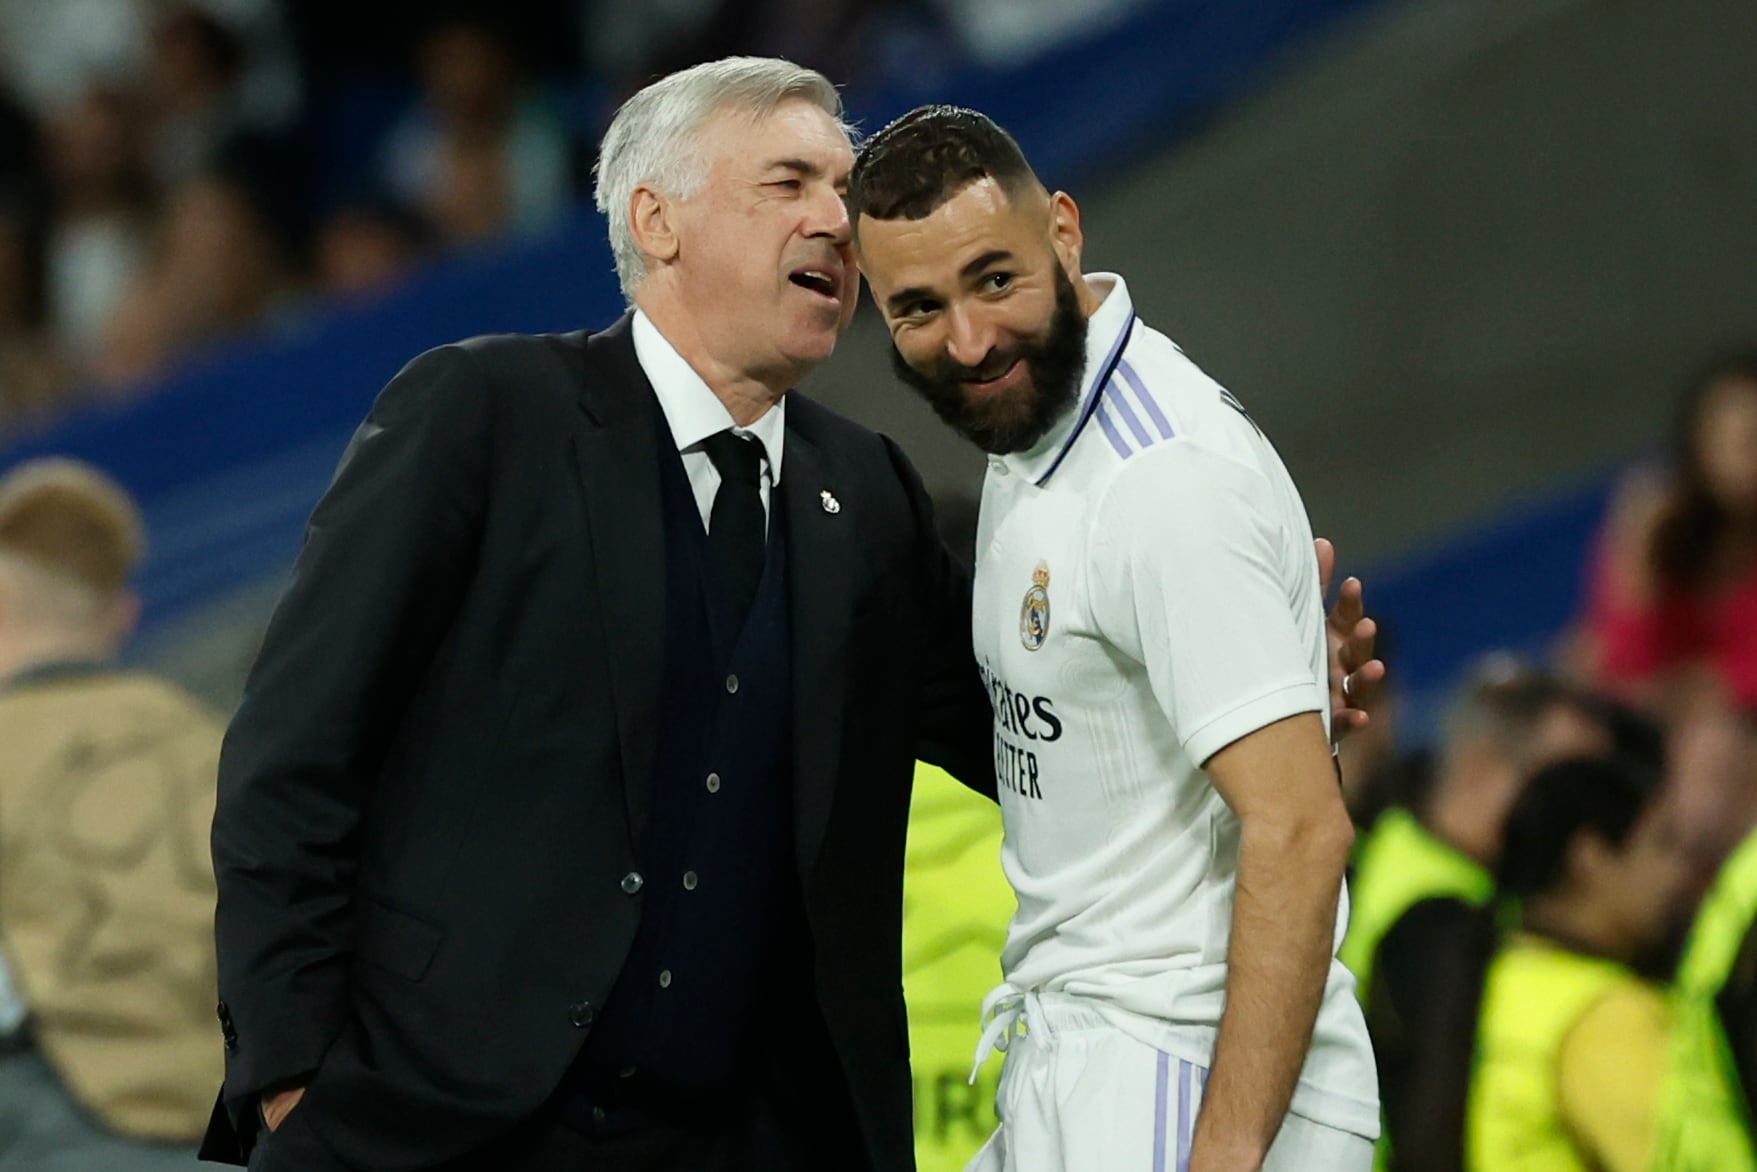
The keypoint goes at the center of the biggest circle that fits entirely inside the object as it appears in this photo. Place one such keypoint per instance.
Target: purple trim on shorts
(1134, 380)
(1112, 434)
(1186, 1127)
(1160, 1090)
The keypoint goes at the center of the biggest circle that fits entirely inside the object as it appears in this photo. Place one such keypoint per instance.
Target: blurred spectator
(106, 887)
(367, 246)
(102, 203)
(1672, 616)
(34, 379)
(225, 260)
(998, 32)
(482, 154)
(956, 908)
(192, 80)
(55, 52)
(1571, 1045)
(1418, 940)
(1504, 723)
(846, 39)
(215, 70)
(1705, 1114)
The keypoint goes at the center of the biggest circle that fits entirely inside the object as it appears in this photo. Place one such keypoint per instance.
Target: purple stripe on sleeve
(1113, 398)
(1147, 403)
(1186, 1127)
(1161, 1088)
(1112, 434)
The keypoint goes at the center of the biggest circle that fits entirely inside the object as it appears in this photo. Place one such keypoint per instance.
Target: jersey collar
(1107, 336)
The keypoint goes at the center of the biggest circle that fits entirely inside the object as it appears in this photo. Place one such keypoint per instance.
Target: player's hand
(1354, 673)
(276, 1107)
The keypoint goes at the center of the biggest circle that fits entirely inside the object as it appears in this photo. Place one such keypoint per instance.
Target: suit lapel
(820, 545)
(619, 478)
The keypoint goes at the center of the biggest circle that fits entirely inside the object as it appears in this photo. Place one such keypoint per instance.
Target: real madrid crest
(1034, 615)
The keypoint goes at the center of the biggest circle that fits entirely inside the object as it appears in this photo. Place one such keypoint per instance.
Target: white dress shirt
(694, 413)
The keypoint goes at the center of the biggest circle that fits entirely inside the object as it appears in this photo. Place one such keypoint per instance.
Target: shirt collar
(1107, 334)
(691, 408)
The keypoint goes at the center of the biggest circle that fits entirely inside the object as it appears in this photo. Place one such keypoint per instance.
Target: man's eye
(996, 282)
(787, 184)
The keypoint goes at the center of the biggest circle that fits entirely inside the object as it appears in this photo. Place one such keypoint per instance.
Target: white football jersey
(1146, 594)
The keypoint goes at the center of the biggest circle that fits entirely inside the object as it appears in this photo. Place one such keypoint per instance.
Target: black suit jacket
(438, 776)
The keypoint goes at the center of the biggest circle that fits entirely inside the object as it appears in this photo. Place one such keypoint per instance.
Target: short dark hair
(1596, 795)
(926, 157)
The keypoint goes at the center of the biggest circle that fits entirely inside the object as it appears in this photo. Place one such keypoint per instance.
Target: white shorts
(1079, 1095)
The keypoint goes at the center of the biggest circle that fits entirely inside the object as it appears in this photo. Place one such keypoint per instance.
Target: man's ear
(1065, 235)
(652, 219)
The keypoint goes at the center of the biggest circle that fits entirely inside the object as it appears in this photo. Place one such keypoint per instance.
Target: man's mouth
(823, 282)
(1000, 378)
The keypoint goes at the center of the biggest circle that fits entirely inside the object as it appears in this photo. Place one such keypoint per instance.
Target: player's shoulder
(1168, 425)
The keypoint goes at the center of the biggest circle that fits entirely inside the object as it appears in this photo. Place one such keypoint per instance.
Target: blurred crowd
(1554, 921)
(176, 172)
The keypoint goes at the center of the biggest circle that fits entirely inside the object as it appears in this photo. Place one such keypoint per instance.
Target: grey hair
(653, 140)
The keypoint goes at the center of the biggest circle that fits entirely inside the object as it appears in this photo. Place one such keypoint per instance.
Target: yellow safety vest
(1533, 995)
(956, 906)
(1703, 1122)
(1399, 865)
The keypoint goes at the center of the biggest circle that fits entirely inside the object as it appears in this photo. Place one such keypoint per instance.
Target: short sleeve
(1190, 579)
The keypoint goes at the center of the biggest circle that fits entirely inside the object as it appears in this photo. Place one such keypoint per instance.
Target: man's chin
(810, 345)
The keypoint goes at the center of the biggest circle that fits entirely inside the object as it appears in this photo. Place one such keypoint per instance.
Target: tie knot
(737, 459)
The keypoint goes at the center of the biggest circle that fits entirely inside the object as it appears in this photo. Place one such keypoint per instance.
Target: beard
(1013, 420)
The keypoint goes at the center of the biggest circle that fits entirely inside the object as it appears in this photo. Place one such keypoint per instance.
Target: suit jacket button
(632, 882)
(580, 1014)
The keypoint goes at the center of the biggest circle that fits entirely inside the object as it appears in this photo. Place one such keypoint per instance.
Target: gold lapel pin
(831, 504)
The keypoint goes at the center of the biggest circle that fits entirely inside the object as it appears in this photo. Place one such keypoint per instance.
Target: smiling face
(760, 259)
(982, 302)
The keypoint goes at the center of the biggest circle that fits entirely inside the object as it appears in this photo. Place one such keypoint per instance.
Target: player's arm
(1191, 568)
(1294, 839)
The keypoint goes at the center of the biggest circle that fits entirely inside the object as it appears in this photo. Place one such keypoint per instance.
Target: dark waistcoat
(721, 914)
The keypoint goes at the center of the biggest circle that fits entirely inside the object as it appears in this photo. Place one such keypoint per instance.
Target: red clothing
(1637, 641)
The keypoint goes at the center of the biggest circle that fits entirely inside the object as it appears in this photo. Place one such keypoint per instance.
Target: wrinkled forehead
(742, 138)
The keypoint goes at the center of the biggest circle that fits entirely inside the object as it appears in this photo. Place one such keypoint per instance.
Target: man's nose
(969, 337)
(829, 219)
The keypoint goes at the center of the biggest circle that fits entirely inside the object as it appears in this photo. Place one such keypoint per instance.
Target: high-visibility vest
(956, 906)
(1533, 995)
(1703, 1122)
(1400, 864)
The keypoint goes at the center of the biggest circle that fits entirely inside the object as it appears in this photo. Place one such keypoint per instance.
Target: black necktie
(736, 526)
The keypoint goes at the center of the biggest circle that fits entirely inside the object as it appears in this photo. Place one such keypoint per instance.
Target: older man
(562, 822)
